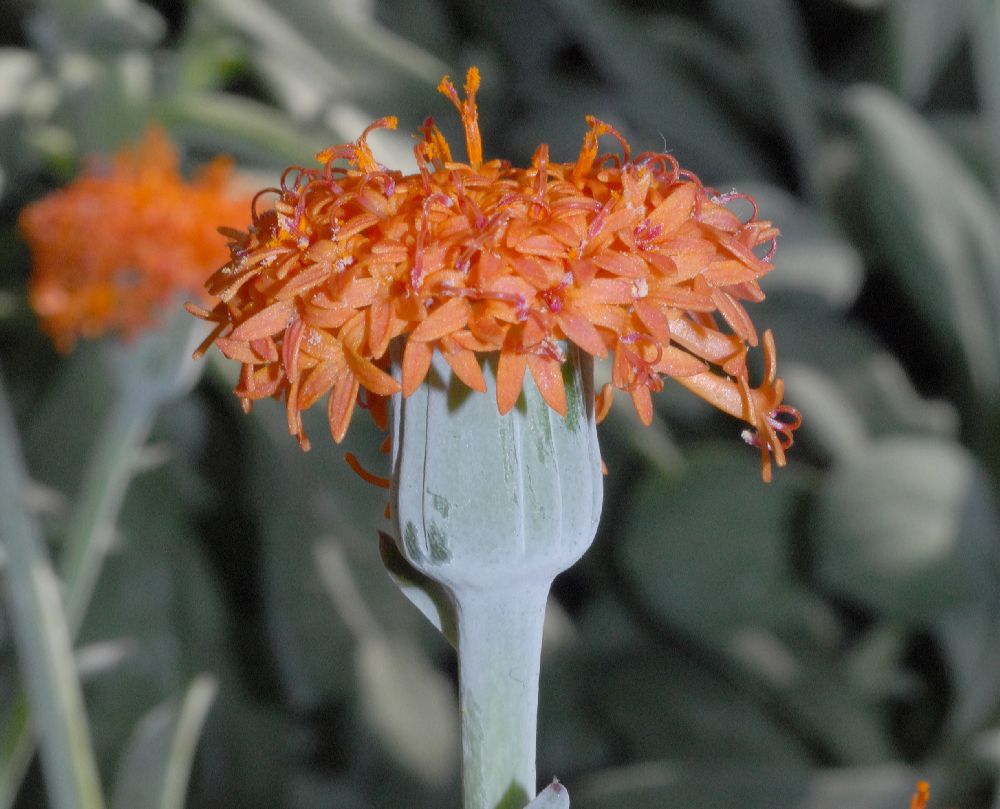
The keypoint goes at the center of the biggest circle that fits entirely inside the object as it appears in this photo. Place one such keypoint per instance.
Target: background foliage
(818, 643)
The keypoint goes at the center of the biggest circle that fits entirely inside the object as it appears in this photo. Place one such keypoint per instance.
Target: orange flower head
(627, 256)
(111, 249)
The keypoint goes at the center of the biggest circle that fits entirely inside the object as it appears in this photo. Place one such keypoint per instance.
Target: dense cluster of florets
(112, 249)
(624, 255)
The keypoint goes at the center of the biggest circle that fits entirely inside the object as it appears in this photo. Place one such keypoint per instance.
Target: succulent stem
(499, 646)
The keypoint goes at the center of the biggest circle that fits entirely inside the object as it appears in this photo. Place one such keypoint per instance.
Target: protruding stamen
(470, 114)
(359, 152)
(436, 148)
(363, 153)
(588, 153)
(540, 161)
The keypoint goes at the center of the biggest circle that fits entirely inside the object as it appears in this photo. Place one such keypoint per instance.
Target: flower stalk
(499, 648)
(492, 507)
(463, 307)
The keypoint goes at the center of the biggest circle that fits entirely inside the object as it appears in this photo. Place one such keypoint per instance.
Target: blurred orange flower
(114, 247)
(623, 255)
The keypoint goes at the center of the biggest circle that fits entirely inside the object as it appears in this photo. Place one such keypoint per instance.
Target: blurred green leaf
(148, 373)
(657, 704)
(707, 549)
(424, 593)
(879, 786)
(67, 413)
(311, 643)
(250, 753)
(774, 35)
(98, 26)
(19, 69)
(298, 497)
(969, 134)
(222, 123)
(719, 568)
(409, 703)
(923, 36)
(159, 594)
(314, 54)
(571, 738)
(985, 35)
(156, 367)
(91, 526)
(658, 784)
(154, 770)
(156, 596)
(908, 528)
(872, 664)
(665, 783)
(205, 60)
(835, 426)
(724, 66)
(807, 330)
(937, 226)
(872, 398)
(43, 640)
(104, 99)
(123, 25)
(970, 641)
(696, 126)
(892, 404)
(849, 724)
(812, 258)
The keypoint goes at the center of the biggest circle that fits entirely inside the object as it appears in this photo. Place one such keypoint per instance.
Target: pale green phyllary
(492, 507)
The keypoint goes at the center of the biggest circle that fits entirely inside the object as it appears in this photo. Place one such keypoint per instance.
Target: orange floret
(114, 247)
(622, 255)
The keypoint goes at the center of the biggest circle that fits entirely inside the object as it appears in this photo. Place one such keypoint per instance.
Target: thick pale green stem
(499, 646)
